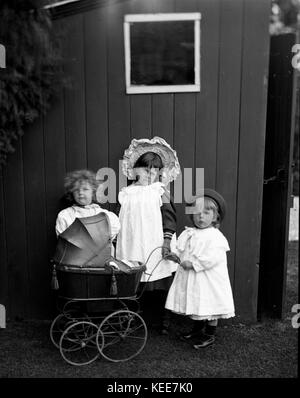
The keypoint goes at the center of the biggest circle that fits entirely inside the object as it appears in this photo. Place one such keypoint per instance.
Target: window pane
(162, 53)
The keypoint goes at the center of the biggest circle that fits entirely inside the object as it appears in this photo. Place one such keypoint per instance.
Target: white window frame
(142, 89)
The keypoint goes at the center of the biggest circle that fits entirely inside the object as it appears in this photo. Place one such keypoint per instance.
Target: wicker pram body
(85, 266)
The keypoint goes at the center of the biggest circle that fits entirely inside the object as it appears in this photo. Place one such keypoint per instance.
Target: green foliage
(33, 73)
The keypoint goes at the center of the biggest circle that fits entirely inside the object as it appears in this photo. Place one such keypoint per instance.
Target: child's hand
(166, 249)
(186, 265)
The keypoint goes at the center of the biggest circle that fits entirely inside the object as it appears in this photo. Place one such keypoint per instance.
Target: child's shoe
(208, 338)
(204, 341)
(164, 326)
(164, 331)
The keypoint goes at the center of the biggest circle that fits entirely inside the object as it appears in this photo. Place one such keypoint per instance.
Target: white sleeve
(122, 195)
(63, 221)
(181, 241)
(210, 258)
(114, 224)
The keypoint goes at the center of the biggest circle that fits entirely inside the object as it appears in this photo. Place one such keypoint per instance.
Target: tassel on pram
(54, 281)
(113, 284)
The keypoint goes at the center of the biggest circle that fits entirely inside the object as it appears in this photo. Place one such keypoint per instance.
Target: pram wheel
(78, 345)
(61, 322)
(58, 325)
(121, 336)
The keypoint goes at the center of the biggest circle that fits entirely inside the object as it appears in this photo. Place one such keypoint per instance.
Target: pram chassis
(118, 332)
(88, 327)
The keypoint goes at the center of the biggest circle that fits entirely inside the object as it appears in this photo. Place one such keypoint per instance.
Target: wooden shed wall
(220, 129)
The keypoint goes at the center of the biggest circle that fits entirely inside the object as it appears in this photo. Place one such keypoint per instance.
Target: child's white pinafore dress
(142, 229)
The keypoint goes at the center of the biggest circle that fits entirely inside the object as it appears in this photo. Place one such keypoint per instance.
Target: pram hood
(85, 243)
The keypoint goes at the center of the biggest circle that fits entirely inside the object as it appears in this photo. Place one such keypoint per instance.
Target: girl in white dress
(148, 218)
(201, 288)
(80, 188)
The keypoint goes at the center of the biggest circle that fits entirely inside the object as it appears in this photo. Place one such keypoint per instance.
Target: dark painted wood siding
(220, 129)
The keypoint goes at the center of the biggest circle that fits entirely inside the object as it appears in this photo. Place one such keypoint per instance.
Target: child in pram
(96, 293)
(84, 241)
(80, 189)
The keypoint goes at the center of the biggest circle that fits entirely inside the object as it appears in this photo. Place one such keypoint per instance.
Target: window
(162, 53)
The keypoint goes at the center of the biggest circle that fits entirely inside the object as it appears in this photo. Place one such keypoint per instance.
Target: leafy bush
(33, 73)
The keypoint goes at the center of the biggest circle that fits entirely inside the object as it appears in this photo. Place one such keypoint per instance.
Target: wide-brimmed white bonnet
(157, 145)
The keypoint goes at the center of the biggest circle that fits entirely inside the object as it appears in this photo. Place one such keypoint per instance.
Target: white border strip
(60, 3)
(197, 53)
(127, 54)
(190, 16)
(141, 89)
(2, 317)
(191, 88)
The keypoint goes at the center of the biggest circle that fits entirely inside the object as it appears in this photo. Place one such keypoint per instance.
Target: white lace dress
(203, 292)
(142, 229)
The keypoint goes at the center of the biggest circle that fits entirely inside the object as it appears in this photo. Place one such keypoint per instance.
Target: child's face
(83, 193)
(204, 216)
(147, 176)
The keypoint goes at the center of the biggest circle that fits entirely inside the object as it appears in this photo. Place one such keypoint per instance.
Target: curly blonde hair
(76, 177)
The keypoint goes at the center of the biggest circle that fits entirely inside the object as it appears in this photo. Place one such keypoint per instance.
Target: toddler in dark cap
(201, 288)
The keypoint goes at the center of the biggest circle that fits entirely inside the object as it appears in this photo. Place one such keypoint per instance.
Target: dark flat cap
(211, 193)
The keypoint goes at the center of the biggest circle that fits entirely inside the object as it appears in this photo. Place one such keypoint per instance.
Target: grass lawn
(261, 350)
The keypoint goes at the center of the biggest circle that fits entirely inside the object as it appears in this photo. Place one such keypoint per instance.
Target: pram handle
(171, 256)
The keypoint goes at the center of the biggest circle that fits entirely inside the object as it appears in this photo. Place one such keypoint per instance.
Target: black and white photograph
(149, 192)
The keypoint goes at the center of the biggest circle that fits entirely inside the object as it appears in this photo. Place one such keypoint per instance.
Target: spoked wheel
(121, 336)
(61, 322)
(78, 344)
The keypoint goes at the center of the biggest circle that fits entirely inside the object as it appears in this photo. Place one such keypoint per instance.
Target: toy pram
(99, 310)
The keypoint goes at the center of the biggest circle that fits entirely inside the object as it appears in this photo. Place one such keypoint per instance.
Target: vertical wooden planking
(184, 138)
(118, 101)
(55, 159)
(163, 104)
(35, 212)
(231, 24)
(14, 209)
(140, 115)
(55, 166)
(140, 104)
(184, 131)
(163, 116)
(207, 99)
(251, 155)
(75, 118)
(95, 33)
(3, 252)
(55, 169)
